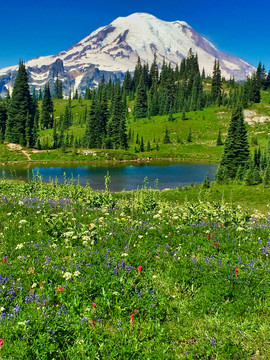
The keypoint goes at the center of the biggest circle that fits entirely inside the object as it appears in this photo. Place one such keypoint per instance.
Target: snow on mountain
(113, 49)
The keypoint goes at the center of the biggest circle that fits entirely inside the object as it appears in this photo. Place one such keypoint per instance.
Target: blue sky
(43, 27)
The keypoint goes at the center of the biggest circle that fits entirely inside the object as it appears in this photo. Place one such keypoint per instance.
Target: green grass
(204, 126)
(70, 277)
(7, 155)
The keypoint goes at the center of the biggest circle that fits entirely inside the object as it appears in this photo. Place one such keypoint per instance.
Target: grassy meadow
(138, 275)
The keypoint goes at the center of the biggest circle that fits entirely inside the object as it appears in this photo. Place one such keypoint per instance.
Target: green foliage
(166, 139)
(47, 109)
(189, 137)
(219, 140)
(236, 149)
(19, 110)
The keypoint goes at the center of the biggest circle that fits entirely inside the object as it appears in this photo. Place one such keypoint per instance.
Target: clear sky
(30, 28)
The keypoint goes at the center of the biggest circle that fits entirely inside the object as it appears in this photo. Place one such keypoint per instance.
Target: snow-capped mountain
(113, 49)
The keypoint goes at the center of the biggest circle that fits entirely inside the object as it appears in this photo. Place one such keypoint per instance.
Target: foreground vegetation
(139, 275)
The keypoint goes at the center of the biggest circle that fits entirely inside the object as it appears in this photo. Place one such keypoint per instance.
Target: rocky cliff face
(113, 49)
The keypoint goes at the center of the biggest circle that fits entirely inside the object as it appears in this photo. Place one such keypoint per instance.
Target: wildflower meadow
(97, 275)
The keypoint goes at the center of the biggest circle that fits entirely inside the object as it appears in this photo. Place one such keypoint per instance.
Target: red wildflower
(60, 288)
(169, 234)
(207, 236)
(1, 343)
(140, 269)
(93, 323)
(94, 306)
(236, 272)
(5, 259)
(216, 245)
(41, 284)
(31, 290)
(135, 311)
(211, 235)
(132, 319)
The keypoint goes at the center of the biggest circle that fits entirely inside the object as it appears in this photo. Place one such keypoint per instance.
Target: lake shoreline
(138, 160)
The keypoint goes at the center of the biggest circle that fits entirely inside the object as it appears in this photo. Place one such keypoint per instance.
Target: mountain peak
(113, 49)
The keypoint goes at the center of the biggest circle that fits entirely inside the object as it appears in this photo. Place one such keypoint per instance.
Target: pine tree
(140, 109)
(141, 145)
(166, 139)
(189, 137)
(20, 107)
(47, 108)
(216, 84)
(219, 141)
(236, 149)
(3, 118)
(58, 88)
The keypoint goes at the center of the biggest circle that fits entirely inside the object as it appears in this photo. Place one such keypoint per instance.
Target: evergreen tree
(189, 137)
(141, 145)
(58, 88)
(236, 149)
(216, 84)
(255, 93)
(166, 139)
(47, 108)
(116, 128)
(219, 141)
(20, 107)
(3, 118)
(141, 101)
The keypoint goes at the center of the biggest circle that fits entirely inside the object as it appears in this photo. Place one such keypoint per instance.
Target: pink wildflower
(1, 343)
(60, 288)
(140, 269)
(132, 319)
(5, 259)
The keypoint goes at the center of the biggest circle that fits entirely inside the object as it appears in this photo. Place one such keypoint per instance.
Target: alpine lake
(127, 176)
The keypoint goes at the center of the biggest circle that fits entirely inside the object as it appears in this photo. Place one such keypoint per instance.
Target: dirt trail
(18, 147)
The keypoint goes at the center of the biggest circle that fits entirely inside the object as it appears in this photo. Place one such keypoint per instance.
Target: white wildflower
(19, 246)
(67, 275)
(22, 323)
(76, 273)
(23, 221)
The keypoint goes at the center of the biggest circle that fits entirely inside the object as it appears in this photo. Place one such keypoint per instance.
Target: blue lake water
(128, 176)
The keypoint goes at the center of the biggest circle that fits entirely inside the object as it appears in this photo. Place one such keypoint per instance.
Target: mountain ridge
(113, 49)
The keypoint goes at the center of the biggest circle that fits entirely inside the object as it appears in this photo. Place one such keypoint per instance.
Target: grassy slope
(203, 124)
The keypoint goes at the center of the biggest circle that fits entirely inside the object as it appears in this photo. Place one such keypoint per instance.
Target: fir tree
(58, 88)
(140, 109)
(236, 149)
(219, 141)
(47, 108)
(20, 107)
(189, 137)
(216, 84)
(3, 118)
(141, 145)
(166, 139)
